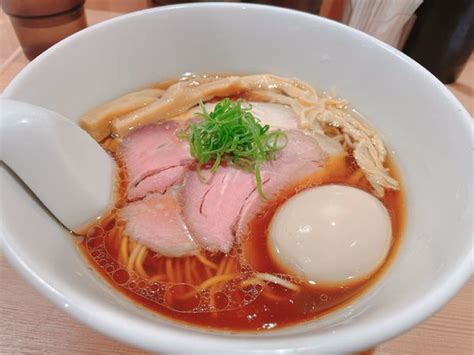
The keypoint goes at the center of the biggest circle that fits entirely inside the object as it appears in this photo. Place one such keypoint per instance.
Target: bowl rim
(108, 322)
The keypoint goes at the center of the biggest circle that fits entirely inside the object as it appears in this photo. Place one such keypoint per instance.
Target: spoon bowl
(66, 169)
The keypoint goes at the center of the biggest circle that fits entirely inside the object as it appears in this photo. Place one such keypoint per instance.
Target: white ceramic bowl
(428, 130)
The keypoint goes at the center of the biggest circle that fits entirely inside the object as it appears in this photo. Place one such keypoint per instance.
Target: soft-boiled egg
(331, 234)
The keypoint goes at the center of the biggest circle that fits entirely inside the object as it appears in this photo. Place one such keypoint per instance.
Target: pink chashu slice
(155, 158)
(156, 221)
(218, 209)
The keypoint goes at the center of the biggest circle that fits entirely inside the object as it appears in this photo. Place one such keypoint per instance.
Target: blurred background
(439, 34)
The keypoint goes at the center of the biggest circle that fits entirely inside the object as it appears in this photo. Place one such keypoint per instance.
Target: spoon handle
(65, 168)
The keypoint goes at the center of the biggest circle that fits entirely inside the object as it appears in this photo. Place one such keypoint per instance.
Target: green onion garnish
(232, 134)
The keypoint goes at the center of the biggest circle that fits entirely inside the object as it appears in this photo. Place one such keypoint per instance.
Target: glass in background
(39, 24)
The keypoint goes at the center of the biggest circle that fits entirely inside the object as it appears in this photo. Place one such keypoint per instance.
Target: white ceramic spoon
(65, 168)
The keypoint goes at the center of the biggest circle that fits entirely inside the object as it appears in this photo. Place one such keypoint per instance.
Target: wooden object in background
(333, 9)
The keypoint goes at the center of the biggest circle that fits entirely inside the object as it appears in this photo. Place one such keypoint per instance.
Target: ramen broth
(189, 235)
(260, 306)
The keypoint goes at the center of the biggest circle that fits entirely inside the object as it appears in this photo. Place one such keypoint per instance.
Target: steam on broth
(206, 165)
